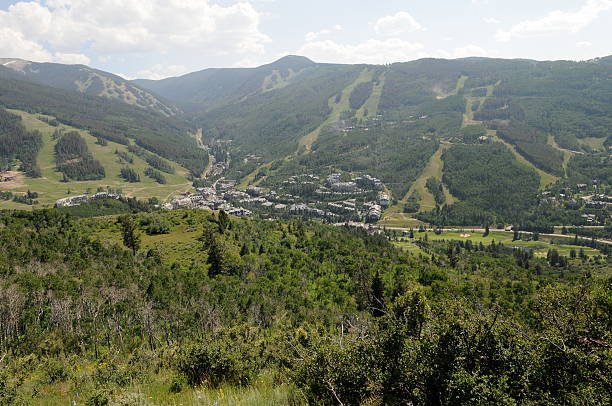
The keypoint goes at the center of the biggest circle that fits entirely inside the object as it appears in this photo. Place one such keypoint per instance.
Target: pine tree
(131, 238)
(377, 302)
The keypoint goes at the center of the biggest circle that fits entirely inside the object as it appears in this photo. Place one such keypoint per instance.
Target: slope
(51, 188)
(105, 118)
(86, 80)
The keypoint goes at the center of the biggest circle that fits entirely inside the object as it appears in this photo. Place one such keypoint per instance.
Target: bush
(212, 365)
(55, 371)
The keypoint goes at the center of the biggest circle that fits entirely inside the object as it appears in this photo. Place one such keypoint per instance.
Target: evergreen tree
(377, 301)
(131, 238)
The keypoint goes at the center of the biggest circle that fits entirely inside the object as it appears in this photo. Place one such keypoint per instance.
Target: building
(344, 187)
(71, 201)
(254, 191)
(383, 199)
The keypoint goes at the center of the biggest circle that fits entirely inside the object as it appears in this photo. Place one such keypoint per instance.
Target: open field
(336, 109)
(397, 219)
(593, 142)
(51, 188)
(541, 247)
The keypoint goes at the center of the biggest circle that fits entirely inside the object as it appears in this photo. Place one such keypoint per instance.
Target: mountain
(108, 119)
(547, 121)
(209, 88)
(83, 79)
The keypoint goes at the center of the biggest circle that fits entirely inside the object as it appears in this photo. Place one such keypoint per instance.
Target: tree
(217, 258)
(223, 221)
(377, 301)
(131, 237)
(486, 233)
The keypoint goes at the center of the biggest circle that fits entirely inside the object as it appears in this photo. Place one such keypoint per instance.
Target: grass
(545, 177)
(371, 105)
(155, 390)
(434, 169)
(336, 109)
(397, 219)
(458, 87)
(51, 188)
(541, 247)
(593, 142)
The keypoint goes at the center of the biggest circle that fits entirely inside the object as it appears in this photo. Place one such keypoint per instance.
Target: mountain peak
(292, 61)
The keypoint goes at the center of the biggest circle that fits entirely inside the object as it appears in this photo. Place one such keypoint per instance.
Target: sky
(160, 38)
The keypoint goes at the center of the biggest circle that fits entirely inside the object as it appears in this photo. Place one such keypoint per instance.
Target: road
(482, 230)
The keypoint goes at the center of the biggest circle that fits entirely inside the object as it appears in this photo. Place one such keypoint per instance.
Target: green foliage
(156, 175)
(131, 238)
(489, 183)
(74, 160)
(360, 95)
(111, 120)
(210, 364)
(17, 143)
(130, 175)
(436, 188)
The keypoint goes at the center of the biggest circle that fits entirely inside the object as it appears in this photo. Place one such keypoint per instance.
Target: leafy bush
(211, 364)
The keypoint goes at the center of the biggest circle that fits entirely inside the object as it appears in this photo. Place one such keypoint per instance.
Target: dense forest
(17, 143)
(337, 316)
(74, 160)
(491, 185)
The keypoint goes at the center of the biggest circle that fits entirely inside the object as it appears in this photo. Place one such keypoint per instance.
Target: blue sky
(159, 38)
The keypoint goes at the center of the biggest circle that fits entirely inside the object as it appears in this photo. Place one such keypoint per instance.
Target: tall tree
(131, 237)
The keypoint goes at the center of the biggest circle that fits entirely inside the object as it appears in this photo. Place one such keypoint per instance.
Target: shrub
(212, 365)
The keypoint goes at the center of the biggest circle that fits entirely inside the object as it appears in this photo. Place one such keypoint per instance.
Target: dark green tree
(131, 237)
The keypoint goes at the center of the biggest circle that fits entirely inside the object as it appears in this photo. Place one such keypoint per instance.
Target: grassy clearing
(156, 391)
(396, 219)
(51, 188)
(458, 87)
(567, 155)
(371, 105)
(545, 177)
(541, 247)
(434, 169)
(593, 142)
(336, 108)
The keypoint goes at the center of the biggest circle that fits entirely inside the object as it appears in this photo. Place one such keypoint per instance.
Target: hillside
(367, 119)
(105, 118)
(207, 309)
(50, 184)
(81, 78)
(210, 88)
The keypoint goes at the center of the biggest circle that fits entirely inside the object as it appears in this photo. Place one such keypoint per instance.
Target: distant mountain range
(300, 116)
(83, 79)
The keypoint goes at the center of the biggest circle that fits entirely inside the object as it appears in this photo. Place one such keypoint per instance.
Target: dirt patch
(14, 180)
(465, 235)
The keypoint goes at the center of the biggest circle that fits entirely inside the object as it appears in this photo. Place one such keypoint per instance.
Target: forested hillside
(163, 308)
(111, 120)
(18, 143)
(83, 79)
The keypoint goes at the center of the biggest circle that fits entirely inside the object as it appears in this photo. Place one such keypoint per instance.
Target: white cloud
(76, 59)
(14, 45)
(557, 21)
(463, 52)
(311, 36)
(491, 20)
(372, 51)
(584, 44)
(396, 24)
(134, 26)
(159, 71)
